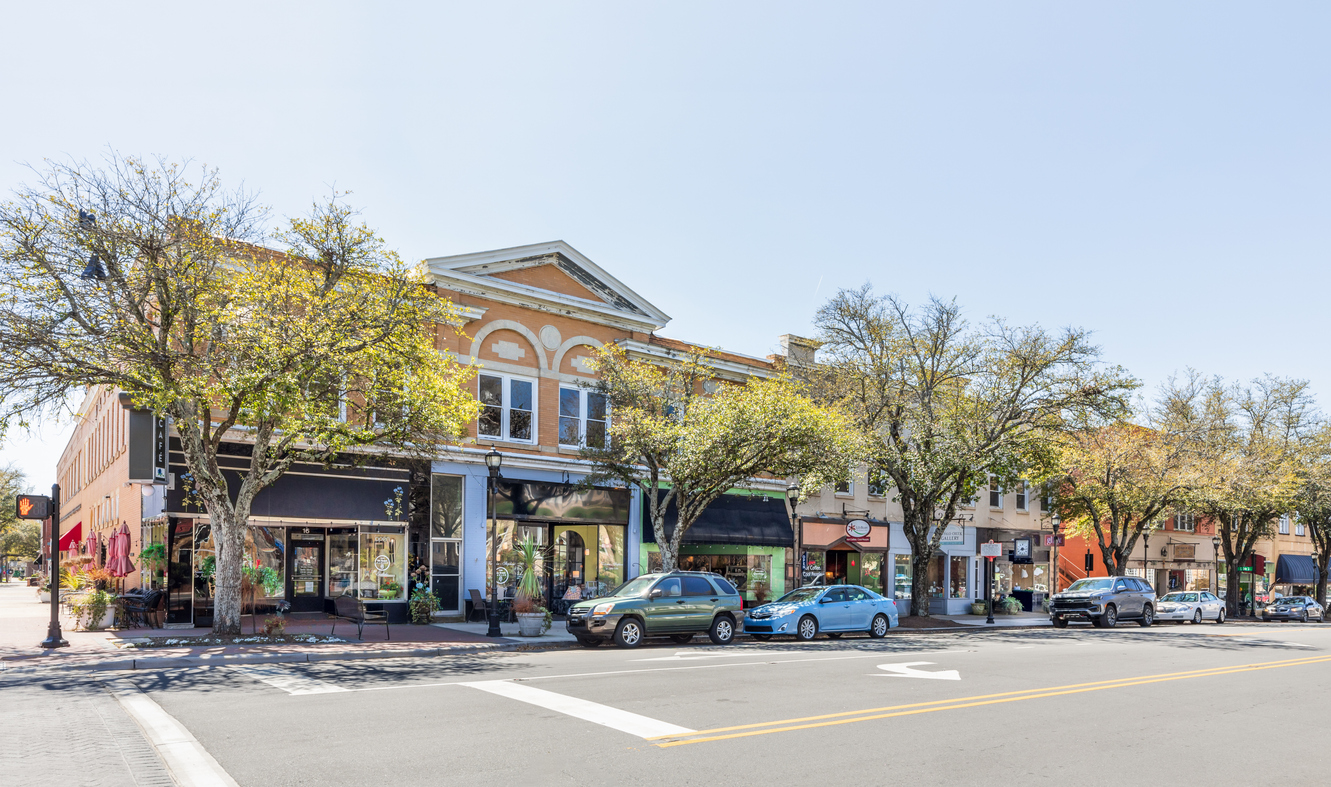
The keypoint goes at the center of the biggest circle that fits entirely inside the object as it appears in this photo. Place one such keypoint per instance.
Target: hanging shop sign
(1051, 540)
(857, 530)
(953, 534)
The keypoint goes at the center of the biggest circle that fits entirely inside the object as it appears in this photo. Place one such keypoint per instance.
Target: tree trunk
(1322, 559)
(229, 539)
(919, 583)
(1232, 589)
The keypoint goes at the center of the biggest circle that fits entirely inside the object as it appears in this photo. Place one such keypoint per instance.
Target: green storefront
(746, 539)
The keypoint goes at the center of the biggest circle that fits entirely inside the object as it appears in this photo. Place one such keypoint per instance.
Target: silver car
(1193, 605)
(1300, 608)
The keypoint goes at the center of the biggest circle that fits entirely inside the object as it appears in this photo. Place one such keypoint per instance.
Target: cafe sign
(857, 531)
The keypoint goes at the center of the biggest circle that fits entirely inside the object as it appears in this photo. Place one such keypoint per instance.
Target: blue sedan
(833, 610)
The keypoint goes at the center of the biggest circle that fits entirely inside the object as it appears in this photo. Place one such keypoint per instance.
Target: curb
(180, 662)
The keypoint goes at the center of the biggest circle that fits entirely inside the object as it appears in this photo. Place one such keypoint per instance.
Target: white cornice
(725, 369)
(543, 300)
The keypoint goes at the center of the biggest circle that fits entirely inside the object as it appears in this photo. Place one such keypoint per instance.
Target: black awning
(731, 519)
(1295, 570)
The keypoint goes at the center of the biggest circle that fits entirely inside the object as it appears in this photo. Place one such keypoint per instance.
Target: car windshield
(1090, 584)
(1290, 600)
(634, 587)
(1172, 597)
(800, 595)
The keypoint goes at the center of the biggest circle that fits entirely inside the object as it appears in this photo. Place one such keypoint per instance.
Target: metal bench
(353, 609)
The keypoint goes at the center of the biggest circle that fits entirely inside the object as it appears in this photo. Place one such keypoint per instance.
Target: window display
(342, 546)
(383, 564)
(871, 571)
(959, 570)
(901, 577)
(937, 576)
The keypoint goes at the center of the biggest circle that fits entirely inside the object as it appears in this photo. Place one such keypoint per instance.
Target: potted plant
(153, 558)
(93, 611)
(423, 605)
(533, 618)
(979, 608)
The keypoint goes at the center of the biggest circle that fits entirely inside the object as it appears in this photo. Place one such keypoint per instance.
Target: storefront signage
(953, 534)
(991, 550)
(1185, 551)
(501, 575)
(381, 563)
(1051, 540)
(857, 530)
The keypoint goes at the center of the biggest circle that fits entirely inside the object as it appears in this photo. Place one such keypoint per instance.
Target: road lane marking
(694, 656)
(603, 673)
(286, 680)
(190, 764)
(871, 714)
(606, 716)
(905, 671)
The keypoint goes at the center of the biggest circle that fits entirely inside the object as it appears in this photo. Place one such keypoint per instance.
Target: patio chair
(478, 604)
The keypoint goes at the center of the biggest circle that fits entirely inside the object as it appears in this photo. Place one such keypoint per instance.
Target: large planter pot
(44, 596)
(531, 624)
(980, 608)
(108, 619)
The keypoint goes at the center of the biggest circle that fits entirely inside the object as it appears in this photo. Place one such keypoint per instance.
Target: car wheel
(1197, 617)
(1148, 616)
(722, 631)
(1221, 617)
(628, 634)
(878, 629)
(589, 642)
(682, 638)
(761, 637)
(1059, 623)
(1110, 618)
(1303, 618)
(834, 635)
(807, 628)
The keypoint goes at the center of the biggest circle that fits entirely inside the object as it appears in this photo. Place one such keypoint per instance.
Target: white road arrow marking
(905, 671)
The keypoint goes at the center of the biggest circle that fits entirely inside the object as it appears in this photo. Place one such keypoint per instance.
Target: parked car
(833, 610)
(678, 604)
(1104, 601)
(1299, 608)
(1193, 605)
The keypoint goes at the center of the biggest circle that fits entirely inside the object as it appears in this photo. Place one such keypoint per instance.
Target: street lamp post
(797, 571)
(493, 461)
(54, 637)
(1215, 558)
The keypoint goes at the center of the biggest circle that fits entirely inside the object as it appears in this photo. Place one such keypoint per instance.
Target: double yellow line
(871, 714)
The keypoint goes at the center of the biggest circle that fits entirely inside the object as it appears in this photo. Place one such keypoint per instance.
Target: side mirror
(656, 593)
(824, 600)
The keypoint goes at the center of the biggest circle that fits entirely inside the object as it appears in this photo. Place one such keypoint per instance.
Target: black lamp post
(493, 461)
(797, 574)
(1215, 545)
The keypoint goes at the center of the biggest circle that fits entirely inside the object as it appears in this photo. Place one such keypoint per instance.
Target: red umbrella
(118, 562)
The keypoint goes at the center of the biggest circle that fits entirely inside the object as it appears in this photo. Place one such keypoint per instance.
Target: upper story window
(878, 482)
(846, 487)
(1284, 524)
(1298, 527)
(1023, 496)
(584, 418)
(1185, 522)
(508, 407)
(995, 494)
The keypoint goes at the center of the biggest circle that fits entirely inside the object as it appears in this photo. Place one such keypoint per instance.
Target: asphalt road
(1167, 705)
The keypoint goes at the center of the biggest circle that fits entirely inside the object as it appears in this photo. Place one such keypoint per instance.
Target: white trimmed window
(584, 418)
(1185, 522)
(1298, 527)
(847, 487)
(878, 482)
(995, 494)
(1023, 496)
(508, 408)
(1284, 524)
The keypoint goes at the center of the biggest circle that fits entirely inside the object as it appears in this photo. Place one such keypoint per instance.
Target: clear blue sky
(1155, 172)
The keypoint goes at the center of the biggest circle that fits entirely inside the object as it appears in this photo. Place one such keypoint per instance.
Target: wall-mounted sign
(1051, 540)
(1185, 551)
(857, 530)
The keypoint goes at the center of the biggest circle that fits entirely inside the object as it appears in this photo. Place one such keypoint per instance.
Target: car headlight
(603, 609)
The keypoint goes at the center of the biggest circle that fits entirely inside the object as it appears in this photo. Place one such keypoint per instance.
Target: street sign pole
(54, 638)
(989, 551)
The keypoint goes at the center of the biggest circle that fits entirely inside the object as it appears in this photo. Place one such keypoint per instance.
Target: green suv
(678, 604)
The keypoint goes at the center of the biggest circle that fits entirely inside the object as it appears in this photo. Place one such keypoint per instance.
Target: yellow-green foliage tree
(148, 277)
(679, 434)
(18, 537)
(1313, 502)
(1118, 479)
(1253, 448)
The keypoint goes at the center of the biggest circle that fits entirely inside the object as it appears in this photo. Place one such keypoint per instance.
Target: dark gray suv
(1104, 601)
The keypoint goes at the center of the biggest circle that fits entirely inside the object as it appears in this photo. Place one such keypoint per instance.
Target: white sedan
(1193, 605)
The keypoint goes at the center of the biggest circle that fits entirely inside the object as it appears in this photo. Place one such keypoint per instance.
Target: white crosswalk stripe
(286, 680)
(606, 716)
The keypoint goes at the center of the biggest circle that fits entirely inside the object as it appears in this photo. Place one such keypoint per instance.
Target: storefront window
(509, 572)
(265, 555)
(383, 565)
(871, 571)
(574, 564)
(901, 577)
(814, 565)
(610, 570)
(758, 582)
(1027, 576)
(936, 576)
(960, 570)
(1197, 579)
(205, 571)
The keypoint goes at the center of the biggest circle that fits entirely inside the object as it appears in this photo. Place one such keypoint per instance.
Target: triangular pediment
(547, 273)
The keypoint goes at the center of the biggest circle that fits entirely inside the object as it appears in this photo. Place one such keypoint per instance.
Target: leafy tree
(1117, 479)
(1252, 446)
(149, 278)
(18, 537)
(667, 432)
(1313, 502)
(943, 405)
